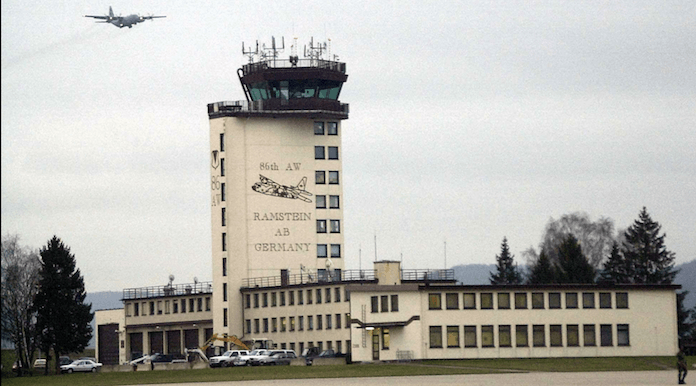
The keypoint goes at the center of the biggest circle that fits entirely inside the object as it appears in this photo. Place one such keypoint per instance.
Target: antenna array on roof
(264, 53)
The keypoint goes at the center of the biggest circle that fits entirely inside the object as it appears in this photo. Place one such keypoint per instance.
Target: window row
(520, 300)
(331, 128)
(381, 303)
(320, 152)
(334, 202)
(297, 323)
(282, 298)
(320, 177)
(159, 307)
(322, 250)
(573, 335)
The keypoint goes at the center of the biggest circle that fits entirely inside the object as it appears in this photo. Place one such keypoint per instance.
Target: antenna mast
(251, 53)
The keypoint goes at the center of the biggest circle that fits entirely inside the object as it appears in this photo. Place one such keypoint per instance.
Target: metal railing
(310, 278)
(259, 106)
(427, 274)
(294, 63)
(168, 290)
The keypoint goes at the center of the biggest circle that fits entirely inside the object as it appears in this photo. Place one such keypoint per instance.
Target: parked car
(252, 358)
(227, 358)
(81, 365)
(278, 358)
(87, 359)
(161, 358)
(40, 363)
(65, 360)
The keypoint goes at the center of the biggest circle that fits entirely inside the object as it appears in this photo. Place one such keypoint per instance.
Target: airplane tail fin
(301, 185)
(111, 12)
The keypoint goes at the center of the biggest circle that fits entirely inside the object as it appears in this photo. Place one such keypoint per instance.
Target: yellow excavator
(243, 345)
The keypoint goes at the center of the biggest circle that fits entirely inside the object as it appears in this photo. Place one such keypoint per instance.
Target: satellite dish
(195, 280)
(171, 278)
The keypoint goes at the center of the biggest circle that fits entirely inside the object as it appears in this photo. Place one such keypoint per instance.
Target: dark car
(161, 358)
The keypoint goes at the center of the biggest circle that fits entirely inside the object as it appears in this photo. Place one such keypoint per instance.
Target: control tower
(276, 175)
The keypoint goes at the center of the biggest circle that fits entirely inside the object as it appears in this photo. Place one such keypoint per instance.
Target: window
(521, 300)
(224, 266)
(247, 299)
(604, 300)
(300, 297)
(395, 303)
(224, 241)
(191, 305)
(224, 317)
(384, 303)
(348, 320)
(309, 296)
(321, 250)
(247, 322)
(538, 335)
(588, 300)
(487, 336)
(504, 336)
(328, 321)
(265, 324)
(554, 300)
(222, 167)
(257, 326)
(321, 226)
(571, 300)
(222, 191)
(573, 335)
(621, 300)
(318, 128)
(521, 337)
(452, 336)
(318, 295)
(337, 294)
(327, 295)
(319, 152)
(291, 298)
(556, 335)
(274, 299)
(469, 301)
(159, 307)
(452, 301)
(292, 323)
(320, 177)
(486, 301)
(333, 177)
(300, 322)
(385, 339)
(588, 335)
(207, 303)
(175, 308)
(200, 304)
(183, 306)
(223, 216)
(338, 321)
(622, 335)
(283, 324)
(335, 226)
(375, 304)
(264, 296)
(310, 323)
(333, 152)
(224, 292)
(334, 202)
(503, 301)
(282, 298)
(606, 338)
(256, 300)
(538, 300)
(470, 336)
(321, 202)
(335, 250)
(222, 141)
(434, 302)
(332, 128)
(435, 336)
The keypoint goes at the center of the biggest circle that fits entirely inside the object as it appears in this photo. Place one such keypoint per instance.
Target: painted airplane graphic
(269, 187)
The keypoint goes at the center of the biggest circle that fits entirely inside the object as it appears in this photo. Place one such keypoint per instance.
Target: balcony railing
(284, 107)
(310, 278)
(427, 275)
(290, 63)
(205, 287)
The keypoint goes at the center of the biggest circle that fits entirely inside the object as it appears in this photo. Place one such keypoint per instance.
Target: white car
(81, 365)
(252, 358)
(227, 358)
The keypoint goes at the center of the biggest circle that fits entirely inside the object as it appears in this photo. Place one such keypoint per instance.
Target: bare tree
(595, 237)
(20, 274)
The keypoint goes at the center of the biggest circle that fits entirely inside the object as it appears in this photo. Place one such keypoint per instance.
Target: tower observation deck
(292, 87)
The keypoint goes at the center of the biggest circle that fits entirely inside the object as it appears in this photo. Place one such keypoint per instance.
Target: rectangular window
(571, 300)
(318, 295)
(282, 298)
(333, 152)
(521, 335)
(283, 324)
(328, 321)
(200, 304)
(321, 250)
(319, 152)
(183, 306)
(622, 300)
(327, 295)
(334, 202)
(487, 339)
(504, 336)
(264, 296)
(159, 307)
(348, 320)
(470, 336)
(247, 322)
(321, 226)
(622, 338)
(175, 308)
(332, 128)
(222, 141)
(257, 326)
(538, 335)
(336, 250)
(291, 298)
(321, 202)
(556, 335)
(224, 292)
(309, 296)
(452, 301)
(310, 323)
(588, 300)
(385, 339)
(452, 336)
(487, 301)
(222, 167)
(274, 299)
(223, 216)
(395, 303)
(335, 226)
(604, 300)
(469, 301)
(435, 336)
(573, 335)
(554, 300)
(256, 300)
(503, 301)
(333, 177)
(434, 302)
(224, 317)
(337, 294)
(136, 309)
(606, 337)
(538, 300)
(375, 304)
(384, 303)
(224, 266)
(291, 322)
(300, 297)
(207, 303)
(318, 128)
(224, 241)
(320, 177)
(300, 322)
(338, 321)
(588, 335)
(521, 300)
(222, 191)
(191, 305)
(265, 324)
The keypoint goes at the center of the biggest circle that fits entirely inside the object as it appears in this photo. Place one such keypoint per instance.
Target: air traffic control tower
(276, 177)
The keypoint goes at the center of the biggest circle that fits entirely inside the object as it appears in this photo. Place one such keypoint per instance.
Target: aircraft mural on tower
(122, 21)
(269, 187)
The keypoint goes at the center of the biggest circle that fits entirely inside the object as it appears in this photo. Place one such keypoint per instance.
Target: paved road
(615, 378)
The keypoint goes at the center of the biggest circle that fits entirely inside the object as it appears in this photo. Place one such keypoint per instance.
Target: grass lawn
(432, 367)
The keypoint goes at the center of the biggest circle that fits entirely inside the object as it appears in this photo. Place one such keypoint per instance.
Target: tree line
(637, 255)
(43, 302)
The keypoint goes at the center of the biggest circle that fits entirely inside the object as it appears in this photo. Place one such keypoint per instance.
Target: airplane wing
(151, 17)
(99, 17)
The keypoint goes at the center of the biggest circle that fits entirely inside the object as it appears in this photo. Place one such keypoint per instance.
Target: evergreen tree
(616, 268)
(685, 324)
(63, 318)
(507, 272)
(542, 272)
(645, 252)
(572, 264)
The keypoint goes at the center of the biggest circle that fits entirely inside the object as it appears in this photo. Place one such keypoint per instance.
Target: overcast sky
(469, 122)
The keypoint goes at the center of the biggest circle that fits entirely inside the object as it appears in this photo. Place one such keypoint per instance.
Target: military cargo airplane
(122, 21)
(269, 187)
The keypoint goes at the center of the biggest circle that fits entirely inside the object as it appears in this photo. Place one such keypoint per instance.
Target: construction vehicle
(244, 345)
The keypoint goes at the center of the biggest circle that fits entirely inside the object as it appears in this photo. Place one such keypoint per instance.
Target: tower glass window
(321, 202)
(321, 250)
(332, 128)
(333, 152)
(319, 152)
(335, 250)
(320, 177)
(318, 128)
(321, 226)
(334, 202)
(333, 177)
(335, 226)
